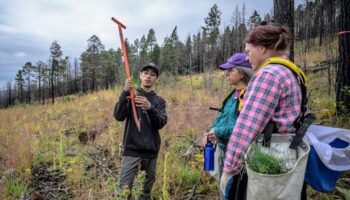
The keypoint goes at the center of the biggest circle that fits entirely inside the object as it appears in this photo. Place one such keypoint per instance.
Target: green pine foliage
(264, 163)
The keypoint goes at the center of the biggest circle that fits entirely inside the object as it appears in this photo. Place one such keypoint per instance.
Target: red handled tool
(127, 71)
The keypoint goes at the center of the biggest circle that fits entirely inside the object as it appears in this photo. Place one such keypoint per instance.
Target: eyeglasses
(246, 52)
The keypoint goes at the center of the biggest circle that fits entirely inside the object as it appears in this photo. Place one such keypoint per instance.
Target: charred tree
(284, 15)
(343, 70)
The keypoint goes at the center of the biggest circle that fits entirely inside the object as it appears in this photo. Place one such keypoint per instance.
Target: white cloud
(20, 54)
(8, 29)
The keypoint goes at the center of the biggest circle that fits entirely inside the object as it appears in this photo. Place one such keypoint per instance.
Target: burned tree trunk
(343, 70)
(284, 15)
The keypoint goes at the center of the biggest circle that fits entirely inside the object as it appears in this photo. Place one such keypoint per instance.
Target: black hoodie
(144, 143)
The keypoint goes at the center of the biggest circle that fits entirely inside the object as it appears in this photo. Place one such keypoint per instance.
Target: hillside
(76, 141)
(32, 135)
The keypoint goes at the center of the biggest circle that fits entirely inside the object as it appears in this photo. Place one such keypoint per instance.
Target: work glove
(226, 183)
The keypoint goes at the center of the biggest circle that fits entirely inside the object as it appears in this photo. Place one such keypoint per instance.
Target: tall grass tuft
(165, 178)
(137, 189)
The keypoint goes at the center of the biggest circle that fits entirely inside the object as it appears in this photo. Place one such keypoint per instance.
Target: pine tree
(144, 51)
(109, 68)
(27, 71)
(212, 23)
(151, 39)
(40, 70)
(91, 63)
(20, 84)
(155, 54)
(211, 32)
(56, 55)
(188, 56)
(254, 20)
(169, 56)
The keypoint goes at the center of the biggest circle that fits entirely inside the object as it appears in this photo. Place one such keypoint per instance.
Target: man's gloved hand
(226, 183)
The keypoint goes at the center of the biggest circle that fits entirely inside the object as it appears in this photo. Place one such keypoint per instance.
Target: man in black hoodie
(141, 147)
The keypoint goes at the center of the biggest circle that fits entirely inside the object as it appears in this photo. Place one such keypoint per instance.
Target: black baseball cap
(151, 66)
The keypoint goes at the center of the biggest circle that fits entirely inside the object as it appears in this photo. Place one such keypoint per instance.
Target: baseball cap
(237, 60)
(151, 66)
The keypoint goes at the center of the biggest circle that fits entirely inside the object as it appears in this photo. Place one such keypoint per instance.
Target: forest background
(56, 118)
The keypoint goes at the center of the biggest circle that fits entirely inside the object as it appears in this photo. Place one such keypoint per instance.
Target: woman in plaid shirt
(273, 94)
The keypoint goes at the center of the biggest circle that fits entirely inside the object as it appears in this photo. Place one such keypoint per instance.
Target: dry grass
(30, 134)
(316, 54)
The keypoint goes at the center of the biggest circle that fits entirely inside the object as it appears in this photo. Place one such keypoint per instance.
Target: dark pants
(239, 189)
(130, 167)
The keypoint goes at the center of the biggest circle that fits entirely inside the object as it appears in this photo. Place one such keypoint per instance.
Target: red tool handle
(119, 23)
(127, 71)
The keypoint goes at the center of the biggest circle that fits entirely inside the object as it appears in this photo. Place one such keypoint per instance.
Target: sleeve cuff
(124, 94)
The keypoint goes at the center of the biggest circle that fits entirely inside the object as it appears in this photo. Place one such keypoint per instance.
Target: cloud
(8, 29)
(20, 54)
(15, 50)
(27, 28)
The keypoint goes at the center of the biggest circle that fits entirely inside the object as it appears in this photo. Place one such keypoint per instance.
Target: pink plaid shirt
(273, 94)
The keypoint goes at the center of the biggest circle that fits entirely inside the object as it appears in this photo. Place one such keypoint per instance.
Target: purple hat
(237, 60)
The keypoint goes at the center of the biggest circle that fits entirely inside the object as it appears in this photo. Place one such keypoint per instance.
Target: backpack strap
(287, 63)
(240, 102)
(267, 133)
(223, 103)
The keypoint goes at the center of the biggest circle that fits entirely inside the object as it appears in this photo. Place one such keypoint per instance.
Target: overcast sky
(28, 27)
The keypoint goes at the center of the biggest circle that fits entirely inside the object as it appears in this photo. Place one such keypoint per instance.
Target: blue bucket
(319, 176)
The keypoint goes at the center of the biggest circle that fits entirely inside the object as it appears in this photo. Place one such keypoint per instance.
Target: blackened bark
(343, 70)
(284, 15)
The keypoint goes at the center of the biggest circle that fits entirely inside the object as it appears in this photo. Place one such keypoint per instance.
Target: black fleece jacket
(144, 143)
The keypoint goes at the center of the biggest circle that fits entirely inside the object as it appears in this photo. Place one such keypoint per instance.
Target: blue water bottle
(209, 156)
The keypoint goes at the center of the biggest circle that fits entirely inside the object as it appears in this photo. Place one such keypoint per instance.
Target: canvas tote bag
(286, 186)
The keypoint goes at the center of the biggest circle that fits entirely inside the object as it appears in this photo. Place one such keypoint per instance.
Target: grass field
(79, 138)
